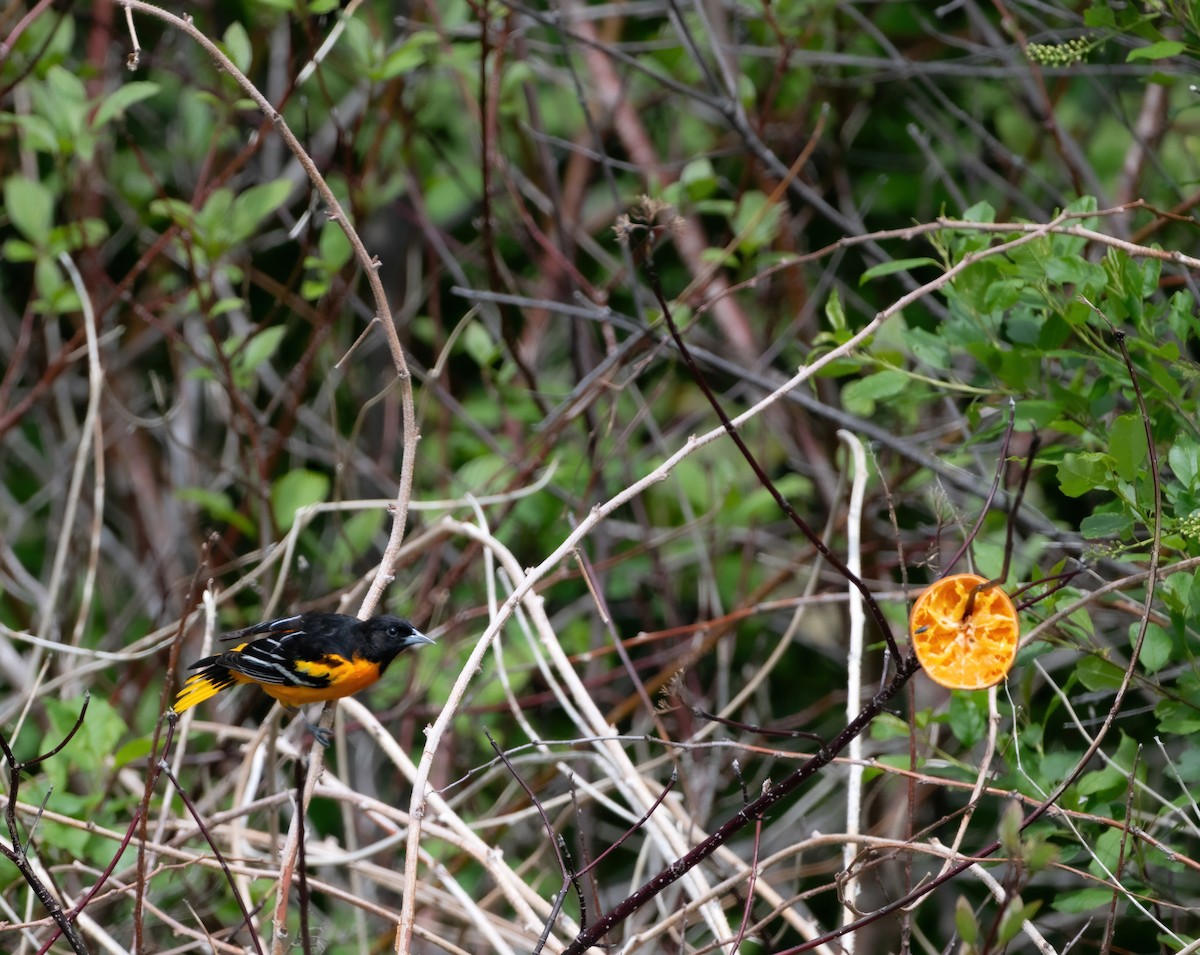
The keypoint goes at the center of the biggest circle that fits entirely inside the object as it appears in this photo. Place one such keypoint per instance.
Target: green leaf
(255, 205)
(859, 397)
(968, 716)
(135, 749)
(1014, 917)
(900, 761)
(1084, 900)
(1150, 272)
(965, 922)
(896, 265)
(1156, 648)
(63, 101)
(231, 303)
(260, 348)
(1040, 855)
(717, 207)
(1177, 718)
(1156, 51)
(30, 208)
(98, 736)
(52, 40)
(179, 212)
(335, 248)
(1127, 445)
(1004, 294)
(1184, 458)
(1104, 780)
(214, 228)
(295, 490)
(1010, 828)
(237, 46)
(451, 194)
(478, 343)
(980, 212)
(1113, 778)
(1079, 473)
(1099, 18)
(18, 250)
(312, 289)
(360, 43)
(886, 726)
(333, 251)
(1188, 764)
(1083, 204)
(1194, 595)
(120, 99)
(66, 87)
(1107, 849)
(354, 539)
(1104, 526)
(1176, 590)
(62, 838)
(217, 504)
(39, 133)
(929, 349)
(49, 282)
(759, 506)
(1098, 674)
(699, 179)
(718, 257)
(834, 313)
(756, 222)
(1036, 413)
(413, 52)
(1126, 754)
(77, 235)
(1088, 277)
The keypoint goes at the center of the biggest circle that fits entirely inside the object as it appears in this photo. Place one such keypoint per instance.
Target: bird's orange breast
(346, 677)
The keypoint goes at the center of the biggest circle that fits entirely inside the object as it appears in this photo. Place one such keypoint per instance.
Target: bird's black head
(388, 635)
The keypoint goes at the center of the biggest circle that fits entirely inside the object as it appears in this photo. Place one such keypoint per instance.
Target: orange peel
(965, 652)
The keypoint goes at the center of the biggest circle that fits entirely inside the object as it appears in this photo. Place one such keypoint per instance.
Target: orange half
(969, 653)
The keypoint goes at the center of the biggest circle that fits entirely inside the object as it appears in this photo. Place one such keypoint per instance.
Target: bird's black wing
(274, 658)
(279, 627)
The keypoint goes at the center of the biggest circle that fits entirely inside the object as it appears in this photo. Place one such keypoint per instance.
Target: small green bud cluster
(1058, 54)
(1189, 527)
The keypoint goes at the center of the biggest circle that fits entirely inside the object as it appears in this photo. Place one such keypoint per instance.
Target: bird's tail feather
(200, 686)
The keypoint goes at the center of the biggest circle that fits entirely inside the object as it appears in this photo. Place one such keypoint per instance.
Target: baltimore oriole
(308, 658)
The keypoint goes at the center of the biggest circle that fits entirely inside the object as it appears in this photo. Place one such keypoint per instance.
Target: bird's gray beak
(416, 639)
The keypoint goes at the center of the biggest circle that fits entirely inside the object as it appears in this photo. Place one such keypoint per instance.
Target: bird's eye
(393, 631)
